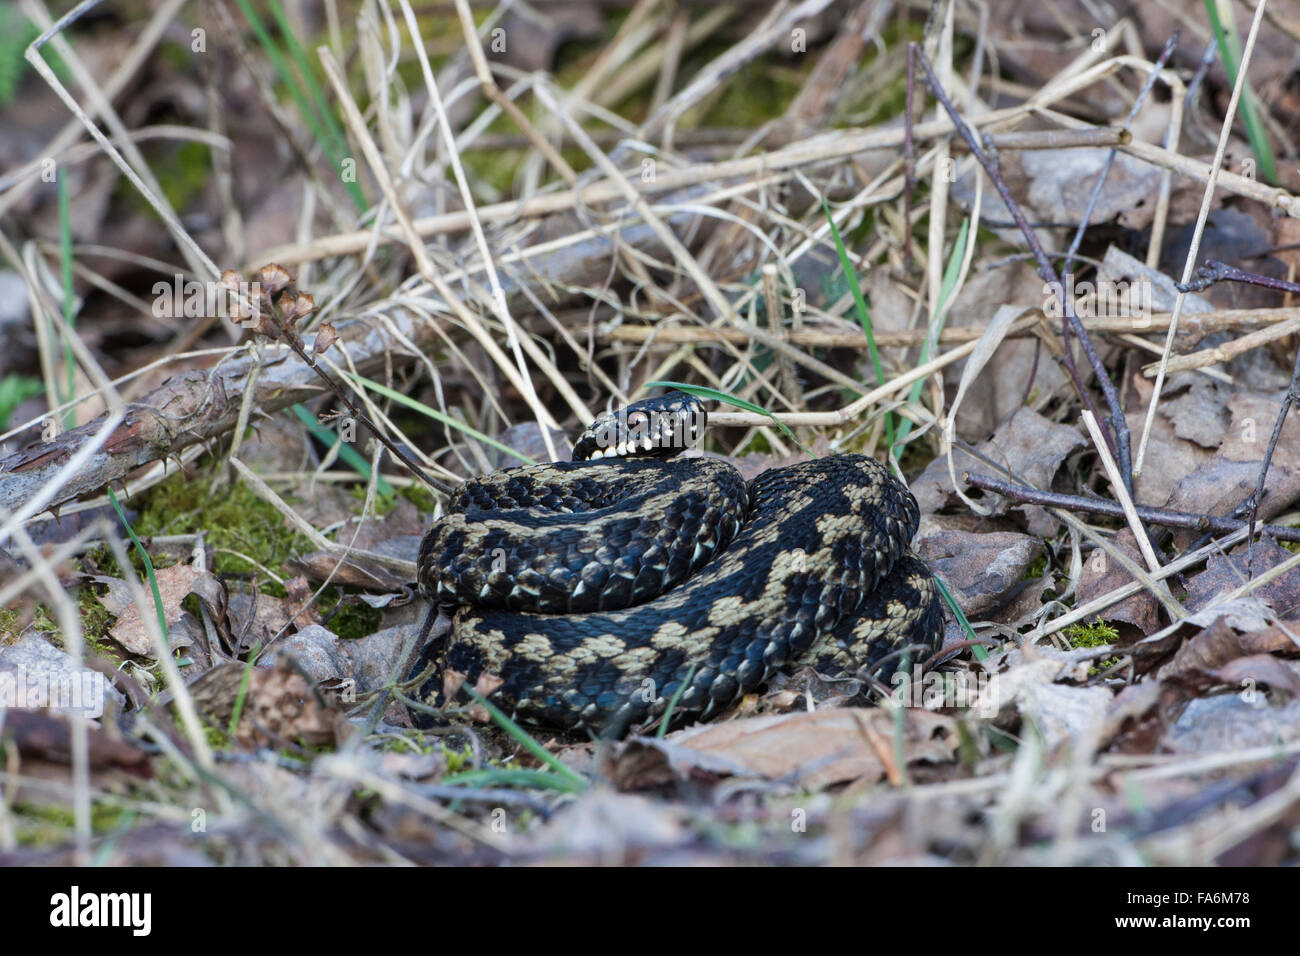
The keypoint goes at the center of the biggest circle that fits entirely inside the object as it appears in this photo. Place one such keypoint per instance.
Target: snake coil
(589, 594)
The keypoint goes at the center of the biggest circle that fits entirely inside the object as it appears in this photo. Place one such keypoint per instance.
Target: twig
(1067, 270)
(1214, 271)
(1163, 517)
(1192, 251)
(1203, 358)
(1292, 397)
(1048, 274)
(1198, 325)
(1125, 499)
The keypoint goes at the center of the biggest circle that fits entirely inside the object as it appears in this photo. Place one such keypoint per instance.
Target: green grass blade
(505, 777)
(349, 455)
(525, 739)
(980, 652)
(337, 140)
(14, 390)
(864, 317)
(714, 395)
(334, 150)
(438, 416)
(148, 564)
(950, 275)
(1229, 43)
(238, 710)
(672, 703)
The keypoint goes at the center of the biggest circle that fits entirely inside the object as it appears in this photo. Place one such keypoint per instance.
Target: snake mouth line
(658, 427)
(643, 439)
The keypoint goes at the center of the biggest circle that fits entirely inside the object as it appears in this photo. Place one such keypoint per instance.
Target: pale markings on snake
(806, 563)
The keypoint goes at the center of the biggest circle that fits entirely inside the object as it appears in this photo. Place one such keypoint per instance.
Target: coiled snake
(588, 592)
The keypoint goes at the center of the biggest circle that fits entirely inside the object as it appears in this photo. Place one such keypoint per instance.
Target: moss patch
(1096, 634)
(230, 515)
(355, 619)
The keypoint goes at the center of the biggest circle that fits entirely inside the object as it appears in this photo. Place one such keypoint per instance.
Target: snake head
(652, 428)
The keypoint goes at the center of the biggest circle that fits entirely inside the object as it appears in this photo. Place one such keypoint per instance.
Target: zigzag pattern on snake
(590, 594)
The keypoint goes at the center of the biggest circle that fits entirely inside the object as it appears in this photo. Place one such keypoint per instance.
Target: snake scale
(592, 594)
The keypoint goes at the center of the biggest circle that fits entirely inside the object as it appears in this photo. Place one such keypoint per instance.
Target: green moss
(49, 825)
(230, 515)
(458, 760)
(183, 170)
(383, 503)
(95, 619)
(1036, 569)
(355, 619)
(1096, 634)
(44, 621)
(8, 625)
(423, 498)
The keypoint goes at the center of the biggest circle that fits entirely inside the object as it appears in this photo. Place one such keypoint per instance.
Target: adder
(595, 594)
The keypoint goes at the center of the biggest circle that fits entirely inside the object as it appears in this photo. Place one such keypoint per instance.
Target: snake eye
(637, 418)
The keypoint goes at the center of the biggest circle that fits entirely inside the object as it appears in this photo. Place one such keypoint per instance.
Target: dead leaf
(1220, 644)
(1228, 722)
(1102, 574)
(318, 565)
(39, 735)
(808, 750)
(979, 569)
(174, 585)
(1224, 574)
(1250, 672)
(279, 706)
(1030, 445)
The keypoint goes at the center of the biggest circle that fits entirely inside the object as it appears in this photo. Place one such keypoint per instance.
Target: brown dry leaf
(1030, 688)
(1222, 484)
(358, 664)
(256, 618)
(318, 565)
(39, 735)
(1200, 414)
(993, 398)
(615, 828)
(1223, 574)
(376, 534)
(279, 706)
(809, 750)
(1170, 458)
(1253, 417)
(174, 585)
(979, 569)
(1101, 575)
(1259, 669)
(1220, 644)
(1030, 445)
(1229, 722)
(1136, 720)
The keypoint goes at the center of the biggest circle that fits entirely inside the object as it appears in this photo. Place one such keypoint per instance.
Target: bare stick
(1189, 265)
(1125, 499)
(1164, 517)
(1048, 274)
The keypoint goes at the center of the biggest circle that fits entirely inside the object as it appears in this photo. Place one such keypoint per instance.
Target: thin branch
(1163, 517)
(1048, 274)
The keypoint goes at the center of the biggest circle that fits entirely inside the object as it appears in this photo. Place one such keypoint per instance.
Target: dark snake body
(653, 573)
